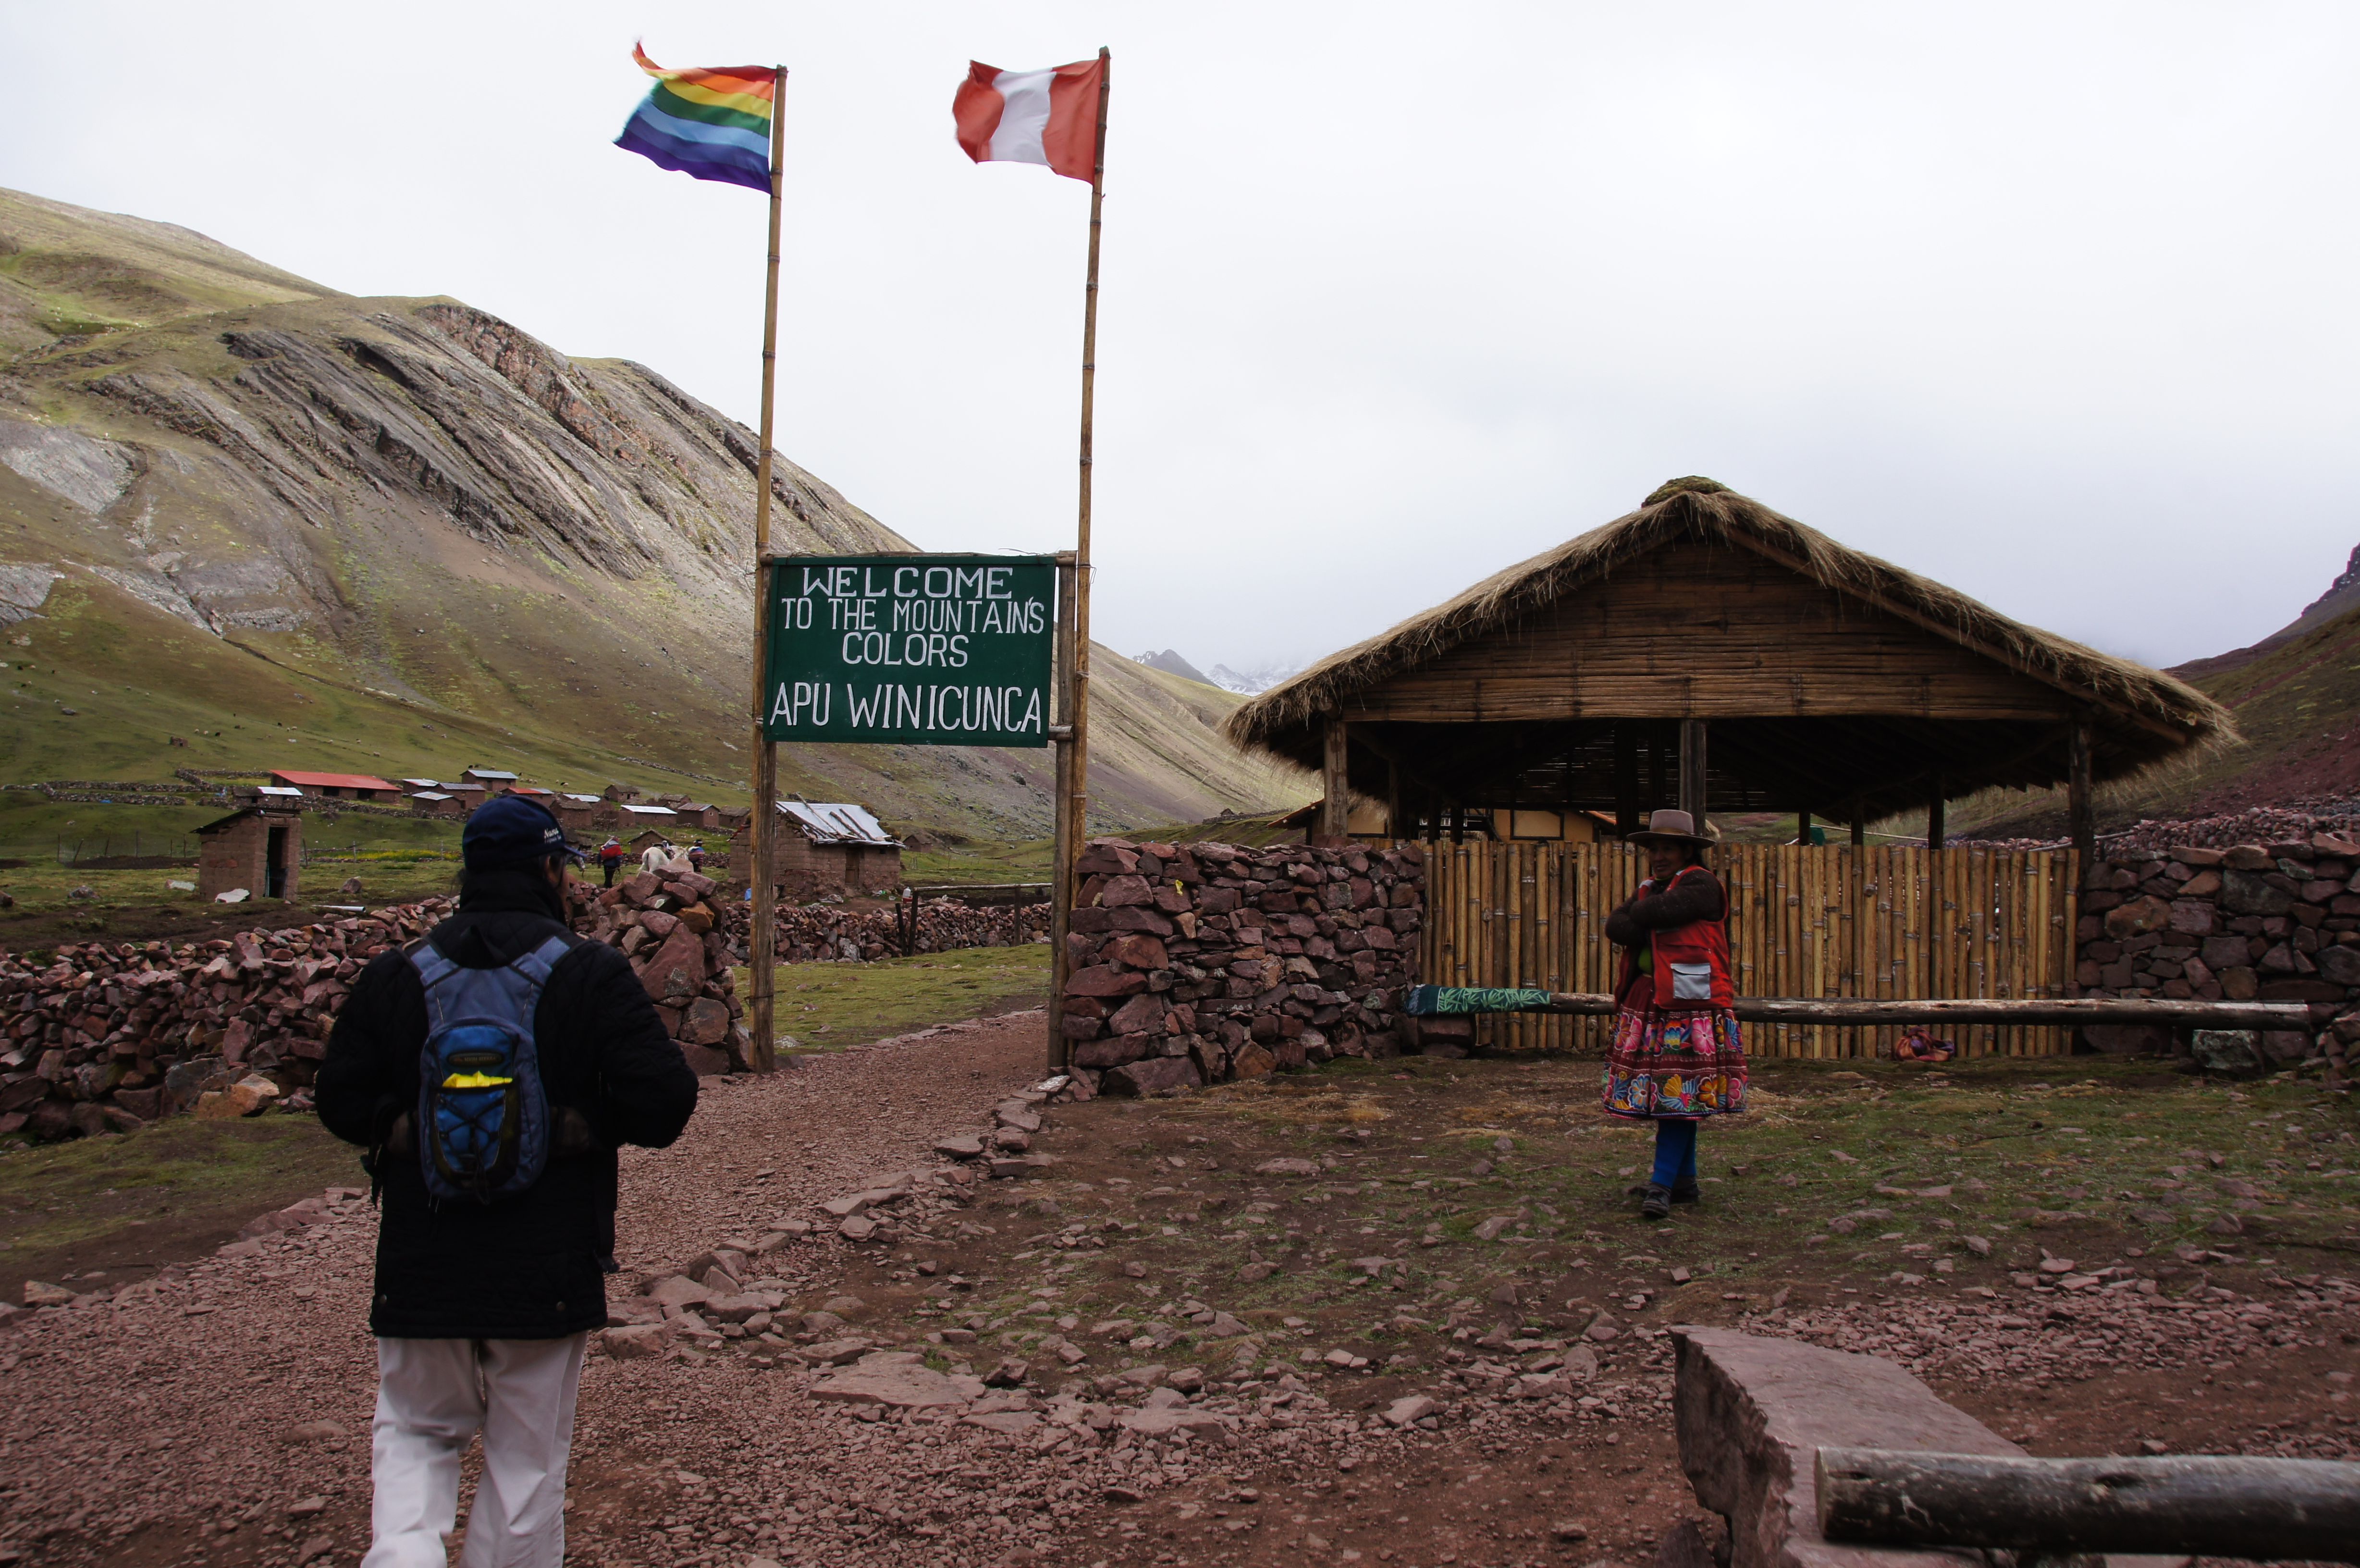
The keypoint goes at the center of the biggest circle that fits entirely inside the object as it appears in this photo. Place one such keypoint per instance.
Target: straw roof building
(1707, 651)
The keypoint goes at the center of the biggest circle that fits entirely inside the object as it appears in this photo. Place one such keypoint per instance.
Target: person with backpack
(491, 1071)
(610, 857)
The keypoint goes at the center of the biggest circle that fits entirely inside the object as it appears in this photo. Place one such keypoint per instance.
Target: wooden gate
(1832, 921)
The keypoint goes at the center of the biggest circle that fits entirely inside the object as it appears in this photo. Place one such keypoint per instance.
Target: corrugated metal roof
(487, 773)
(331, 780)
(838, 823)
(279, 789)
(429, 795)
(648, 810)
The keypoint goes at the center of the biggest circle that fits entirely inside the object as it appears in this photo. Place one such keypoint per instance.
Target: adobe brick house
(259, 849)
(825, 848)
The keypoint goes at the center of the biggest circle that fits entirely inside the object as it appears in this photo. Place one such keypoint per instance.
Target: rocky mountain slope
(2296, 696)
(289, 526)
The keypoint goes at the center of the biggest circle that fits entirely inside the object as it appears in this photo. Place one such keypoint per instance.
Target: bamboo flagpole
(1074, 777)
(761, 947)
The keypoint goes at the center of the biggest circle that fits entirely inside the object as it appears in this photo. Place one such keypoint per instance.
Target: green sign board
(910, 649)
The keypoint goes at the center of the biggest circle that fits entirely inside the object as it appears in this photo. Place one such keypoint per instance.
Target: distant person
(1677, 1057)
(656, 856)
(610, 857)
(498, 1185)
(697, 857)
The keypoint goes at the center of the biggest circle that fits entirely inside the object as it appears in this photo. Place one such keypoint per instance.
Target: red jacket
(1691, 966)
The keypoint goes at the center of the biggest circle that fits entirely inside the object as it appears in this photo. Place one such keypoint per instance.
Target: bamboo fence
(1833, 920)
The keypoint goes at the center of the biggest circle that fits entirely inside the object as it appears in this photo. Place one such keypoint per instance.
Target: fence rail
(1892, 924)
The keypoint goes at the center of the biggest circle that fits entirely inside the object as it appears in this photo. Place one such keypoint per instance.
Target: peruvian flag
(1032, 116)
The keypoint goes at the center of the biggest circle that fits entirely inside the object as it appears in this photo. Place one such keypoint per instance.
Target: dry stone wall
(2275, 922)
(834, 933)
(101, 1036)
(1198, 963)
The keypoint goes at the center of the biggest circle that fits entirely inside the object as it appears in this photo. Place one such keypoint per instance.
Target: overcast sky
(2050, 302)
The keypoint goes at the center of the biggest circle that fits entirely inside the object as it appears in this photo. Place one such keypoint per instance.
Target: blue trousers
(1675, 1152)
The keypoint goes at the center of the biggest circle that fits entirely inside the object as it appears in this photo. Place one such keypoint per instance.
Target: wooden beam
(2080, 812)
(1626, 779)
(1335, 812)
(1979, 1010)
(1394, 801)
(2200, 1504)
(1692, 770)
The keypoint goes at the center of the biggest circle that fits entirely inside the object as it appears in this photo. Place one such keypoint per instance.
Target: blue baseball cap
(512, 831)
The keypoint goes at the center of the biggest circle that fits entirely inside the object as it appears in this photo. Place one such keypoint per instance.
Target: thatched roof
(2151, 715)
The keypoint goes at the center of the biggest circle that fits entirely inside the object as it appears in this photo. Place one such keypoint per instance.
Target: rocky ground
(1394, 1312)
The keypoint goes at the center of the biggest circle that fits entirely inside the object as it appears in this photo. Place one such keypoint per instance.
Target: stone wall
(104, 1036)
(833, 933)
(2275, 922)
(1198, 963)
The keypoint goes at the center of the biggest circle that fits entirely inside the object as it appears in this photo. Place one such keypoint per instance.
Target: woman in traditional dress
(1676, 1058)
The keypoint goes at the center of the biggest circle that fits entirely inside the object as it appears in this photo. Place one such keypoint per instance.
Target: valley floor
(2090, 1256)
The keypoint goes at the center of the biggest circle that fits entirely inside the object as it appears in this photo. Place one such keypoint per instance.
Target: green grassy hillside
(291, 528)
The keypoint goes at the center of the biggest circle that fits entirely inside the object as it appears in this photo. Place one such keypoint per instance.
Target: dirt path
(1295, 1256)
(180, 1419)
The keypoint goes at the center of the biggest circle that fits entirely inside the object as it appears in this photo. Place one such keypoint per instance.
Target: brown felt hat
(1672, 827)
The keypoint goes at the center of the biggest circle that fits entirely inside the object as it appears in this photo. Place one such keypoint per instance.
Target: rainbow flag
(714, 124)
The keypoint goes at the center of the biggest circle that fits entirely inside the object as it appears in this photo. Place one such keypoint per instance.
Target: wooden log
(1987, 1010)
(2206, 1505)
(1692, 770)
(1336, 805)
(2081, 810)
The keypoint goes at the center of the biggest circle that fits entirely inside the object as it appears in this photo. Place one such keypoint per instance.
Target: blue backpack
(482, 1115)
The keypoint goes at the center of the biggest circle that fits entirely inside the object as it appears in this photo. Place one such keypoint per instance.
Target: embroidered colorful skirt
(1675, 1064)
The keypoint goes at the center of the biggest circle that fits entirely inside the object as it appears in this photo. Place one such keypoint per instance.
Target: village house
(336, 786)
(436, 804)
(258, 849)
(827, 848)
(492, 781)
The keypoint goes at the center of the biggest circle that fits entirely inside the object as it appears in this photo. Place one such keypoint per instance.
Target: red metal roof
(331, 780)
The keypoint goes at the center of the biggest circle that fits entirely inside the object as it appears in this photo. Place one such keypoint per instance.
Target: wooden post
(1934, 815)
(1803, 827)
(1693, 801)
(1061, 887)
(1394, 824)
(2080, 811)
(1860, 824)
(761, 945)
(1077, 830)
(1336, 806)
(1626, 779)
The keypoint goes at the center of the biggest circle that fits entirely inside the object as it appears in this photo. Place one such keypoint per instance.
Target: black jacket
(532, 1265)
(1696, 899)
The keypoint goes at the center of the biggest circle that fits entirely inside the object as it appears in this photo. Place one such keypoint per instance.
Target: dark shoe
(1656, 1204)
(1685, 1190)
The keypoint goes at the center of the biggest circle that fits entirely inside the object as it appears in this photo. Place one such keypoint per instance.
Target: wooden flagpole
(1074, 778)
(761, 948)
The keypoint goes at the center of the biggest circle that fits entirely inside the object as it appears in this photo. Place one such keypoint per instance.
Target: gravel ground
(217, 1413)
(182, 1418)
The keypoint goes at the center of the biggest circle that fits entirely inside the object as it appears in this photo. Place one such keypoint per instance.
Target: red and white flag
(1048, 117)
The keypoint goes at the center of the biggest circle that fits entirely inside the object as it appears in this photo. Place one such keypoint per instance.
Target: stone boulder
(1751, 1414)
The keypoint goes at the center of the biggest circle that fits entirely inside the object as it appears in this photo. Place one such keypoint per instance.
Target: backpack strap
(535, 965)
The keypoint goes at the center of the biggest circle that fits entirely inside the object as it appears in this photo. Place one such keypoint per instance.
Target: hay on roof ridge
(1700, 507)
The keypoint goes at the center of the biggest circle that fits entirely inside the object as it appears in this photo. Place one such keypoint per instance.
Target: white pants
(433, 1397)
